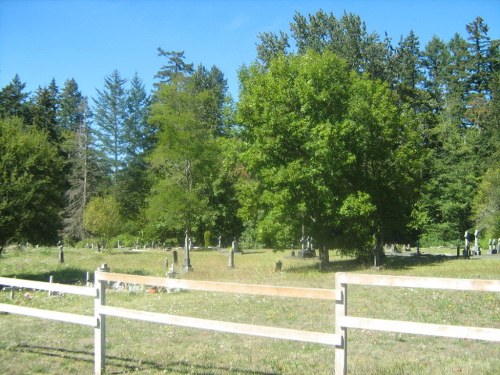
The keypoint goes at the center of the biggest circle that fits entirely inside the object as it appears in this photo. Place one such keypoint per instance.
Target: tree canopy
(339, 133)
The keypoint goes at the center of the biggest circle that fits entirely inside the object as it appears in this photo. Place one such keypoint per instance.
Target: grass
(34, 346)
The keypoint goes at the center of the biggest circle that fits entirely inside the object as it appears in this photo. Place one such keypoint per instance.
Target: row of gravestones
(494, 246)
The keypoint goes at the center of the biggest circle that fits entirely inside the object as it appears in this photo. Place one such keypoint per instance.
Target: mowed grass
(34, 346)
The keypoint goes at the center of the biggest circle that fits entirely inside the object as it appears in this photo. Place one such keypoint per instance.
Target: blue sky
(87, 40)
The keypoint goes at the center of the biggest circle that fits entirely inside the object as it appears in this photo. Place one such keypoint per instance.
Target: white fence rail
(339, 295)
(343, 321)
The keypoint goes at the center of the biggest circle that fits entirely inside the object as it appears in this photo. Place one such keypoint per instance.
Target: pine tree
(14, 101)
(70, 102)
(44, 111)
(133, 182)
(109, 117)
(175, 68)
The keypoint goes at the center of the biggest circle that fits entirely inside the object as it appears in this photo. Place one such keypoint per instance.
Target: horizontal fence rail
(52, 287)
(49, 314)
(226, 327)
(440, 330)
(344, 321)
(420, 282)
(214, 286)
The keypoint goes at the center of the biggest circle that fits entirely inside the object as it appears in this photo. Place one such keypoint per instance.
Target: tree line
(338, 134)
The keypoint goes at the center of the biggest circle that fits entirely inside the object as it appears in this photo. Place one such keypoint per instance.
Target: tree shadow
(343, 265)
(390, 262)
(67, 275)
(118, 365)
(406, 262)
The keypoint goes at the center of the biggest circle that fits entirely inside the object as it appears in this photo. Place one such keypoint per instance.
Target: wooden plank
(214, 286)
(420, 282)
(227, 327)
(475, 333)
(53, 287)
(49, 314)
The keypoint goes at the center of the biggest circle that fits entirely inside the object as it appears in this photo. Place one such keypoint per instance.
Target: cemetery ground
(35, 346)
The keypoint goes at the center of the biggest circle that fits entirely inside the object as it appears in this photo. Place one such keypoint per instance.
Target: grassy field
(34, 346)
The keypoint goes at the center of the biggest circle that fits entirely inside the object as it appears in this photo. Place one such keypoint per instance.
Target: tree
(30, 192)
(81, 173)
(347, 37)
(479, 64)
(325, 149)
(102, 217)
(44, 111)
(109, 117)
(486, 205)
(70, 101)
(435, 61)
(14, 101)
(176, 67)
(133, 183)
(271, 45)
(182, 162)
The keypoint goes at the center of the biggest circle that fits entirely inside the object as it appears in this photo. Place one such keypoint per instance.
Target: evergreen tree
(435, 60)
(14, 101)
(109, 117)
(70, 105)
(133, 182)
(175, 68)
(479, 64)
(44, 111)
(271, 46)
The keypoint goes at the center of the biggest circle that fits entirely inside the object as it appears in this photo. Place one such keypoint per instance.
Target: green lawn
(34, 346)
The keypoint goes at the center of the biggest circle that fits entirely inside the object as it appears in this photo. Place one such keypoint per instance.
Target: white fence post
(341, 311)
(100, 330)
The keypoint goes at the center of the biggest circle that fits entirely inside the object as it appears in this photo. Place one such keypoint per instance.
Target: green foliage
(102, 217)
(183, 158)
(315, 132)
(487, 204)
(207, 238)
(30, 189)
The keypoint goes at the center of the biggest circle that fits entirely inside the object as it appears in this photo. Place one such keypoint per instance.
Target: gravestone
(235, 246)
(306, 247)
(186, 266)
(175, 256)
(61, 252)
(171, 272)
(477, 249)
(219, 242)
(278, 266)
(230, 260)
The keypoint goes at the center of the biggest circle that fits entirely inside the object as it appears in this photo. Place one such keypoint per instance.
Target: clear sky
(87, 40)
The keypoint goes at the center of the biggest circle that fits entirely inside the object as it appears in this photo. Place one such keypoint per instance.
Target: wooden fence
(339, 295)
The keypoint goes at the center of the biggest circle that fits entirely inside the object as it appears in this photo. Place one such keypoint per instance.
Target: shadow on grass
(398, 262)
(128, 365)
(343, 265)
(69, 275)
(390, 262)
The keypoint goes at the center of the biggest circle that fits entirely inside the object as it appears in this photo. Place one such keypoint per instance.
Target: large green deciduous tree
(327, 152)
(183, 160)
(30, 190)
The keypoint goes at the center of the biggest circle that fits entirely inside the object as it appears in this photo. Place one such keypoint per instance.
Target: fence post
(341, 311)
(100, 330)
